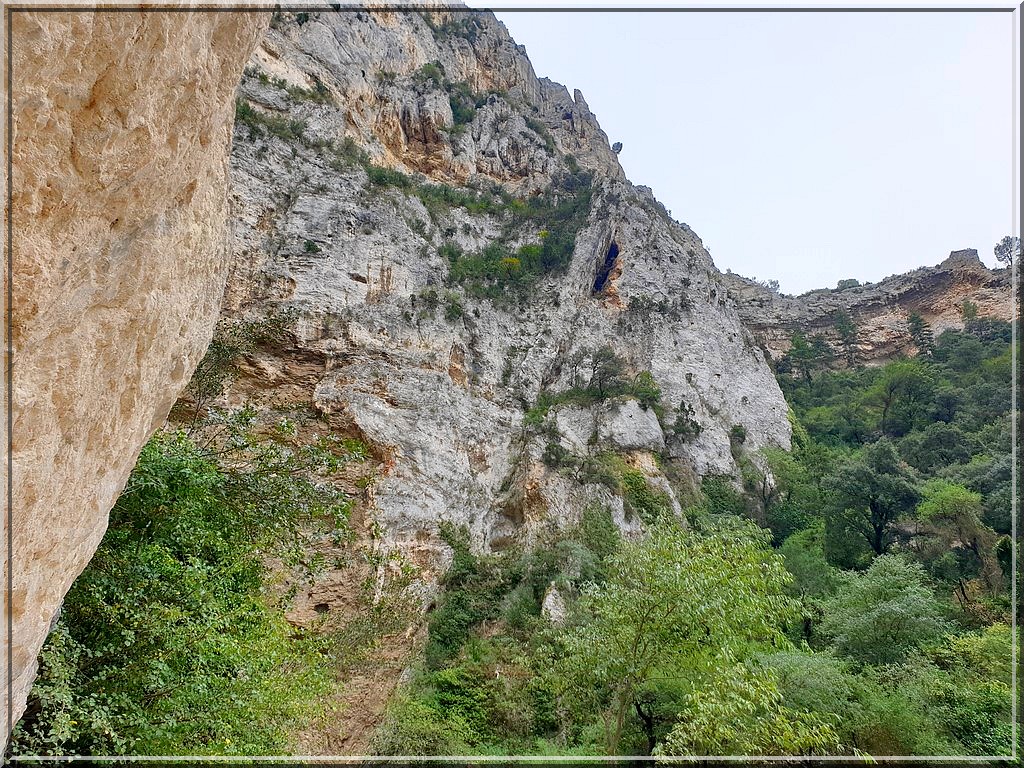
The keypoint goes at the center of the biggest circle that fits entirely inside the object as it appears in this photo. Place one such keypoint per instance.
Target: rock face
(880, 311)
(121, 131)
(440, 373)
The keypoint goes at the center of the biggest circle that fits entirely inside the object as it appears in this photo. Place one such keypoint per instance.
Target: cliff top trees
(1007, 249)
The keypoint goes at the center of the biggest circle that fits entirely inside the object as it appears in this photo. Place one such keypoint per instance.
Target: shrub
(685, 426)
(454, 309)
(260, 124)
(166, 643)
(412, 727)
(641, 499)
(561, 211)
(541, 130)
(880, 615)
(474, 587)
(387, 177)
(645, 389)
(431, 72)
(347, 153)
(721, 497)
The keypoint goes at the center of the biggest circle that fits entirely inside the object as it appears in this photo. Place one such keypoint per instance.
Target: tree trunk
(648, 723)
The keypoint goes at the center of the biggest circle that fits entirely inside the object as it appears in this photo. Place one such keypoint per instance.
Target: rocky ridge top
(880, 311)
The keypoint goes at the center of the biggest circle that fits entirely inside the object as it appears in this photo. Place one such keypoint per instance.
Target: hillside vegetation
(851, 599)
(869, 614)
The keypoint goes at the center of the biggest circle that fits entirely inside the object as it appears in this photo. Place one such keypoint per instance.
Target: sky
(803, 147)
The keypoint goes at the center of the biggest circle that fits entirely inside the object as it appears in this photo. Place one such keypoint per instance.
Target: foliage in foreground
(167, 643)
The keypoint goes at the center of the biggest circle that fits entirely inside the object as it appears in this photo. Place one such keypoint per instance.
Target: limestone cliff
(398, 337)
(121, 131)
(880, 311)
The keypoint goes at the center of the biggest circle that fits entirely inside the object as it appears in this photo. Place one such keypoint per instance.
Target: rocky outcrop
(439, 373)
(121, 131)
(880, 311)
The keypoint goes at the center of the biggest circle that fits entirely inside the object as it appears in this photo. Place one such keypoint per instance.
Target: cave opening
(606, 268)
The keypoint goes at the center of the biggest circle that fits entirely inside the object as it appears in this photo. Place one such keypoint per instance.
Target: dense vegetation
(498, 271)
(867, 613)
(172, 641)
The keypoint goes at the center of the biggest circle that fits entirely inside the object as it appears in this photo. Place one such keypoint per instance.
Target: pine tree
(921, 333)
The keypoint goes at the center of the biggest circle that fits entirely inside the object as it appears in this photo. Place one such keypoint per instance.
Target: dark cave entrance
(606, 267)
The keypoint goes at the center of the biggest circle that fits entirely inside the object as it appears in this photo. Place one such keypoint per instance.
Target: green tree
(972, 698)
(937, 445)
(901, 395)
(921, 333)
(789, 493)
(232, 341)
(878, 616)
(815, 682)
(870, 492)
(1007, 250)
(741, 712)
(968, 310)
(645, 389)
(167, 644)
(804, 554)
(802, 356)
(846, 329)
(676, 608)
(952, 515)
(607, 371)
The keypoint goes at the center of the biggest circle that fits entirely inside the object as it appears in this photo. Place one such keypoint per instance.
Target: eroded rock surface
(881, 311)
(122, 124)
(440, 377)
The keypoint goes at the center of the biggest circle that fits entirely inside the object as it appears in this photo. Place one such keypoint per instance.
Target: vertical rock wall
(122, 128)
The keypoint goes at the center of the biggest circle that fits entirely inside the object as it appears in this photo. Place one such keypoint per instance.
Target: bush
(643, 500)
(454, 310)
(880, 615)
(260, 124)
(166, 644)
(387, 177)
(541, 130)
(645, 389)
(721, 497)
(474, 587)
(685, 426)
(432, 72)
(412, 727)
(561, 211)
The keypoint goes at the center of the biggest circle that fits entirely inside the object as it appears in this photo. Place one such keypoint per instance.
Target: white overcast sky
(805, 147)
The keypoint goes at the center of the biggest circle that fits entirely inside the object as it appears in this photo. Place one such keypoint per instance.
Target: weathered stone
(553, 607)
(881, 311)
(121, 130)
(626, 426)
(436, 379)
